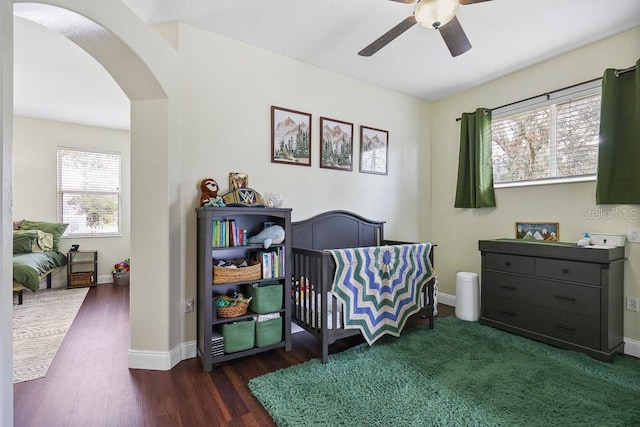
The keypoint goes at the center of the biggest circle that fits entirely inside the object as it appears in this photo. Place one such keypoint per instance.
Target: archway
(145, 67)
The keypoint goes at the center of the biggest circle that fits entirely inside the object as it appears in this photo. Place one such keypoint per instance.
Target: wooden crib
(314, 307)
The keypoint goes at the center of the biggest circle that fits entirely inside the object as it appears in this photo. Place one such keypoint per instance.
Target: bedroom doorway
(150, 107)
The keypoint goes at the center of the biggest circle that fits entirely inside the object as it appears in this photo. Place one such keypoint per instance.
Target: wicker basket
(241, 274)
(81, 278)
(235, 311)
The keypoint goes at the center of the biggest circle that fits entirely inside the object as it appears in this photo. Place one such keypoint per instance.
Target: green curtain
(619, 151)
(475, 168)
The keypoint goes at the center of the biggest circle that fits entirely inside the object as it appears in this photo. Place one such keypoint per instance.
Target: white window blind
(89, 192)
(549, 139)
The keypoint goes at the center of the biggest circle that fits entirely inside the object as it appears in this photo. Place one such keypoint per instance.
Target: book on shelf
(227, 233)
(272, 262)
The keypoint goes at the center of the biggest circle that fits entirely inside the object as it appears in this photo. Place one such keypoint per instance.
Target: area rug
(459, 374)
(39, 326)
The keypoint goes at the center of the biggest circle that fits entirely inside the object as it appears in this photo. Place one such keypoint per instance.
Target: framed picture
(374, 150)
(290, 137)
(238, 180)
(336, 144)
(549, 231)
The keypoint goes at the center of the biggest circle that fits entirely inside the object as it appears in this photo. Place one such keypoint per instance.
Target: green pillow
(22, 243)
(57, 229)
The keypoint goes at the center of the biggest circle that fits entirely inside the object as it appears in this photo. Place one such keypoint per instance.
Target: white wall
(6, 158)
(229, 88)
(34, 182)
(457, 231)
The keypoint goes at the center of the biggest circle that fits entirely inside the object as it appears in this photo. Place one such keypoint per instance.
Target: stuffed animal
(209, 189)
(275, 201)
(268, 236)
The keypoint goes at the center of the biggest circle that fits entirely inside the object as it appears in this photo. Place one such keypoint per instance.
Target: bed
(35, 254)
(315, 308)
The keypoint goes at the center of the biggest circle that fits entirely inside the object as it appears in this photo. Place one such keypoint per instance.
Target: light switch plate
(633, 235)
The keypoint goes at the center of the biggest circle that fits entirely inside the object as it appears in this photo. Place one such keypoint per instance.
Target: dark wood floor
(89, 383)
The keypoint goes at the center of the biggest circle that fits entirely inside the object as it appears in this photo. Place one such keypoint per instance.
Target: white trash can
(467, 296)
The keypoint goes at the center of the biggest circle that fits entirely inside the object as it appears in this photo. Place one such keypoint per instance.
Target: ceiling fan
(436, 14)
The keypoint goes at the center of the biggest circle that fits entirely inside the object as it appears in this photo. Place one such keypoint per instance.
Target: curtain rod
(547, 94)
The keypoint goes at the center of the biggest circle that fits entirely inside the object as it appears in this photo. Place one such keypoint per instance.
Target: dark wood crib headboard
(336, 230)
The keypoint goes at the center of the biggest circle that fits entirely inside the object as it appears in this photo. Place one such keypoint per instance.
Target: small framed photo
(238, 181)
(290, 137)
(336, 144)
(374, 150)
(541, 231)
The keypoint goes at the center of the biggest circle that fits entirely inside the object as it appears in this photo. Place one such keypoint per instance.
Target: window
(548, 140)
(89, 192)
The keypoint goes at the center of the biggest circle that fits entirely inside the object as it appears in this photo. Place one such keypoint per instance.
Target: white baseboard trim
(162, 360)
(447, 299)
(189, 350)
(106, 278)
(632, 347)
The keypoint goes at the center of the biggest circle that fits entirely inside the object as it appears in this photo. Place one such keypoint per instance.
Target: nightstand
(82, 268)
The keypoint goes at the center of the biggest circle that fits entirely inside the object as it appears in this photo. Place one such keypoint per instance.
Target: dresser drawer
(565, 326)
(510, 263)
(570, 327)
(569, 297)
(514, 313)
(509, 286)
(578, 299)
(572, 271)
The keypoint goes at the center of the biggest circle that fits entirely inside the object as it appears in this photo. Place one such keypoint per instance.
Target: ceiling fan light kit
(435, 13)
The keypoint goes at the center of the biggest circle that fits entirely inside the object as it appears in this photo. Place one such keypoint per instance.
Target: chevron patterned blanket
(380, 286)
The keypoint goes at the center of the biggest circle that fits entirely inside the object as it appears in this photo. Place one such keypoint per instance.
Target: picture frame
(374, 150)
(538, 231)
(238, 180)
(290, 136)
(336, 144)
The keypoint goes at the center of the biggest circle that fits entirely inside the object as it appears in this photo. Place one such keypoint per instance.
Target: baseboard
(189, 350)
(447, 299)
(162, 360)
(106, 278)
(632, 347)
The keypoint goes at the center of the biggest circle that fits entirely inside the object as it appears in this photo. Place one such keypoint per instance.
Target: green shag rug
(459, 374)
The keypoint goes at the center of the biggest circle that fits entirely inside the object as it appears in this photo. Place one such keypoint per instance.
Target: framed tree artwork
(374, 150)
(336, 144)
(290, 137)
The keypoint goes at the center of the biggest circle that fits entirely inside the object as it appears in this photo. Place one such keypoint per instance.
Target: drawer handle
(511, 288)
(509, 313)
(565, 327)
(564, 298)
(565, 270)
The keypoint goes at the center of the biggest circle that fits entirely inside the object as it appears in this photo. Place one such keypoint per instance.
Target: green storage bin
(239, 336)
(268, 332)
(265, 299)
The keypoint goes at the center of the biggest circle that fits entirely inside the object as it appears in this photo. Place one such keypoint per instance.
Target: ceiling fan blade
(387, 37)
(454, 37)
(466, 2)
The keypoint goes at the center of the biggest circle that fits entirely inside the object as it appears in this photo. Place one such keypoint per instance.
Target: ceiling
(506, 35)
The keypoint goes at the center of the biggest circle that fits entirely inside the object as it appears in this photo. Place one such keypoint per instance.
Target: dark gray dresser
(557, 293)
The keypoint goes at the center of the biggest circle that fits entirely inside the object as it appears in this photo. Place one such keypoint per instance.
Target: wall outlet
(188, 306)
(633, 235)
(632, 304)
